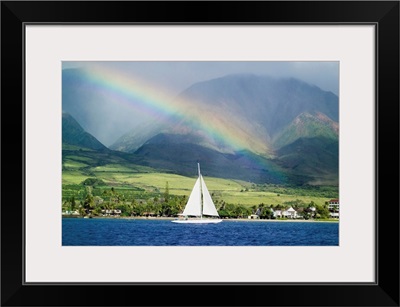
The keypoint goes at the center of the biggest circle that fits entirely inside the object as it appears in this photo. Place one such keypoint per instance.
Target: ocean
(160, 232)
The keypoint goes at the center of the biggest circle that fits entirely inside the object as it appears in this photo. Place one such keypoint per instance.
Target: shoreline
(228, 220)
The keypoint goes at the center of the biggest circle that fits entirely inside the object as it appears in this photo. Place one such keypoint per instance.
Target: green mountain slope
(311, 161)
(307, 125)
(177, 154)
(74, 134)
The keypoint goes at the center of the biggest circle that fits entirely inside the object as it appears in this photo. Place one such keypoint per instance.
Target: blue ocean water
(148, 232)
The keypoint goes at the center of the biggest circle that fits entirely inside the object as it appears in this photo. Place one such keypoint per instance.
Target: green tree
(166, 193)
(266, 213)
(227, 210)
(322, 212)
(98, 201)
(240, 211)
(88, 203)
(149, 207)
(137, 208)
(70, 204)
(174, 206)
(81, 210)
(181, 203)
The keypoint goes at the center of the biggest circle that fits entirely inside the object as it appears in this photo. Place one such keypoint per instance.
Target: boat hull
(197, 221)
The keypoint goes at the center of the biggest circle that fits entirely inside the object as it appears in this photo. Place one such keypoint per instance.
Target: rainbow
(158, 102)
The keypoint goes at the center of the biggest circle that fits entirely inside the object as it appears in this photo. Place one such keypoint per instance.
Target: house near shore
(333, 207)
(277, 213)
(289, 213)
(303, 212)
(73, 213)
(111, 212)
(333, 204)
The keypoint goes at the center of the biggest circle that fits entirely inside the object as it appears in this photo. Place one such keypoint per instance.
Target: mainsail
(193, 206)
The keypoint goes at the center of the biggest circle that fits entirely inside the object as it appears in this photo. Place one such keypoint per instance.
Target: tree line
(112, 202)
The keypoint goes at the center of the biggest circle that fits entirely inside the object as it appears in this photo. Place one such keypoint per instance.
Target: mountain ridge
(307, 125)
(256, 108)
(74, 134)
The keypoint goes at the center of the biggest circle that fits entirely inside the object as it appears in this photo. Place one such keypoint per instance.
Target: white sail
(193, 206)
(208, 204)
(200, 203)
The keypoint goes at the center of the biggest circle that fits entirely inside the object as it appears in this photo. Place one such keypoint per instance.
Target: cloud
(178, 75)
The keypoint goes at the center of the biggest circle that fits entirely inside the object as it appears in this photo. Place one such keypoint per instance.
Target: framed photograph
(238, 154)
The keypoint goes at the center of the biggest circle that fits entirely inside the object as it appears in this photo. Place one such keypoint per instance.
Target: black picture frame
(383, 14)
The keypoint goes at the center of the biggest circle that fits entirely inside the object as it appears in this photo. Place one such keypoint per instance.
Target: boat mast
(201, 193)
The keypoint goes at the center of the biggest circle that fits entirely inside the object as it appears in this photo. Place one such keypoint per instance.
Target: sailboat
(199, 205)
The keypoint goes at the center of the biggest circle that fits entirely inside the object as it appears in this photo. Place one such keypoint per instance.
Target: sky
(177, 76)
(132, 93)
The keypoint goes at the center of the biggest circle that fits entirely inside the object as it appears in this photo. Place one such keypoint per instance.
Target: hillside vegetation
(103, 171)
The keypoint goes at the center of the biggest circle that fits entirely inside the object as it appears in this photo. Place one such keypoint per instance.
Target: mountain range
(249, 127)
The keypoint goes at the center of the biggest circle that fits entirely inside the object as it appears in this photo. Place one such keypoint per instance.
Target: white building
(253, 217)
(289, 213)
(109, 212)
(333, 204)
(333, 207)
(277, 213)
